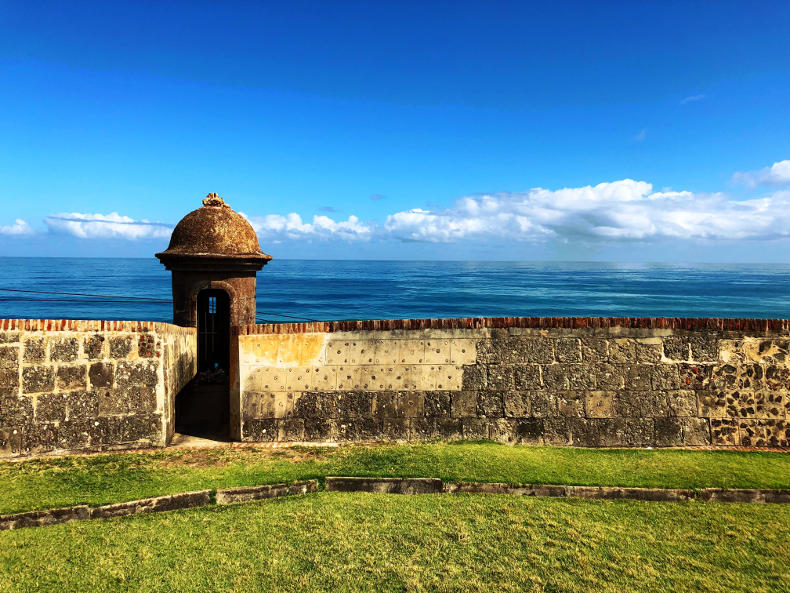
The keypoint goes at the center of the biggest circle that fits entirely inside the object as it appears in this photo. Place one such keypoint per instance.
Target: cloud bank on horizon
(617, 211)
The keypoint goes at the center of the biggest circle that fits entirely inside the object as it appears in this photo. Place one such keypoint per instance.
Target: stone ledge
(92, 325)
(251, 493)
(384, 485)
(42, 518)
(171, 502)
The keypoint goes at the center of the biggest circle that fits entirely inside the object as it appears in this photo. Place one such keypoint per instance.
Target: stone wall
(562, 381)
(89, 385)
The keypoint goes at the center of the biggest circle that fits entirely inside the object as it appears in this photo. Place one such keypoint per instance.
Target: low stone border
(250, 493)
(385, 485)
(225, 496)
(170, 502)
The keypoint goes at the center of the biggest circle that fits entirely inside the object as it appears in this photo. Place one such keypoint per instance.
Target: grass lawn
(374, 542)
(100, 479)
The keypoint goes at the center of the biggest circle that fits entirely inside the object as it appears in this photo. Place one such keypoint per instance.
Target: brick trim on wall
(91, 325)
(671, 323)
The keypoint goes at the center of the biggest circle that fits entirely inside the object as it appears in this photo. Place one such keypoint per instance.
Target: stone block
(385, 405)
(704, 348)
(622, 350)
(395, 430)
(299, 379)
(386, 352)
(63, 349)
(425, 429)
(120, 347)
(474, 429)
(83, 405)
(140, 428)
(516, 404)
(15, 411)
(464, 404)
(500, 377)
(349, 378)
(146, 346)
(696, 432)
(541, 404)
(93, 347)
(463, 351)
(448, 377)
(742, 376)
(569, 404)
(490, 404)
(599, 404)
(557, 431)
(579, 377)
(637, 376)
(317, 429)
(568, 350)
(384, 485)
(526, 377)
(73, 435)
(608, 376)
(639, 404)
(51, 407)
(101, 375)
(251, 493)
(679, 403)
(777, 377)
(668, 432)
(35, 350)
(649, 350)
(555, 377)
(594, 350)
(437, 351)
(475, 377)
(411, 352)
(534, 350)
(763, 433)
(290, 430)
(665, 377)
(170, 502)
(136, 373)
(310, 404)
(694, 376)
(676, 348)
(526, 431)
(68, 378)
(357, 430)
(9, 337)
(38, 379)
(410, 404)
(9, 382)
(723, 431)
(437, 403)
(9, 358)
(353, 404)
(324, 378)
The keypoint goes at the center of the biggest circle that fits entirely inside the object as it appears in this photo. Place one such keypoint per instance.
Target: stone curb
(250, 493)
(384, 485)
(171, 502)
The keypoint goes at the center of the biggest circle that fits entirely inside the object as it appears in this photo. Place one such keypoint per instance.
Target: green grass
(367, 542)
(101, 479)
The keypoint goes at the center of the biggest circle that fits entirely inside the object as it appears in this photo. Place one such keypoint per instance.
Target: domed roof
(214, 230)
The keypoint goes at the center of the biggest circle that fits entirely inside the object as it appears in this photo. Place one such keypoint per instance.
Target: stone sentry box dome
(214, 248)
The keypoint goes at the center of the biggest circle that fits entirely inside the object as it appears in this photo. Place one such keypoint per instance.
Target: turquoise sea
(289, 290)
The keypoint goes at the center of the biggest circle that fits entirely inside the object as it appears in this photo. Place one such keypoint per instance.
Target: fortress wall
(593, 382)
(89, 385)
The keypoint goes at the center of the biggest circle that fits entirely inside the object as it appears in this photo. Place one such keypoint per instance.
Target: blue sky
(488, 130)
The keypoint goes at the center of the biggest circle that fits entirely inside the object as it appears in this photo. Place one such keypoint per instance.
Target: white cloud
(621, 210)
(776, 174)
(20, 227)
(692, 99)
(113, 225)
(291, 226)
(640, 137)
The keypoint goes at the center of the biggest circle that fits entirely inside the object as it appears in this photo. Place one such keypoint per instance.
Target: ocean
(291, 290)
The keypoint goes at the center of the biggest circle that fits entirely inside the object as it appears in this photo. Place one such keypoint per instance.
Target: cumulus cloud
(20, 227)
(105, 226)
(776, 174)
(291, 226)
(621, 210)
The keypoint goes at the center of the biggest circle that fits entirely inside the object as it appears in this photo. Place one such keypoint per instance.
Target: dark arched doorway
(202, 408)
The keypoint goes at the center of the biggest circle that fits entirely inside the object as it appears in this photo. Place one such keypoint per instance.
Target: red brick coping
(91, 325)
(676, 323)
